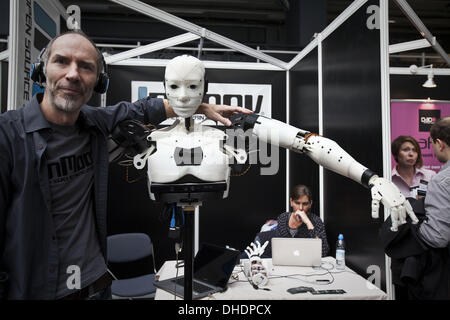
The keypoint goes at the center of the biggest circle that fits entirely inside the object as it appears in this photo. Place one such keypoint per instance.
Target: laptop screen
(214, 264)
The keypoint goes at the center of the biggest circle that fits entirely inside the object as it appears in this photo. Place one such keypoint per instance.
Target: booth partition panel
(303, 113)
(352, 117)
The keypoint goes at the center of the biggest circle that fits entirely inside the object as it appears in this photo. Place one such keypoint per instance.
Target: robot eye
(193, 86)
(173, 86)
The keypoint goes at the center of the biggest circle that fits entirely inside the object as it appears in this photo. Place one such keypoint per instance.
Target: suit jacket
(423, 270)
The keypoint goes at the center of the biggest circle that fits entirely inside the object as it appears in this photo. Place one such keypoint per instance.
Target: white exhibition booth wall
(338, 86)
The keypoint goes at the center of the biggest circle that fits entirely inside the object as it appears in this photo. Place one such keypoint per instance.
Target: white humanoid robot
(188, 161)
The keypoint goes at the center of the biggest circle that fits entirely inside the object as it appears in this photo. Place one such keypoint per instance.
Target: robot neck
(189, 124)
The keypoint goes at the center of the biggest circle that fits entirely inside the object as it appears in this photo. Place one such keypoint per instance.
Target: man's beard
(68, 104)
(65, 102)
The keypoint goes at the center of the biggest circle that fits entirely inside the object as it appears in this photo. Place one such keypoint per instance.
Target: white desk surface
(282, 278)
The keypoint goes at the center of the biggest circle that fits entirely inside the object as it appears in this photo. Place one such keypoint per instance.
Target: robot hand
(257, 272)
(256, 250)
(385, 191)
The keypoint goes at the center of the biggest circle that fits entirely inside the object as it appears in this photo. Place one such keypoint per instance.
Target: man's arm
(216, 112)
(5, 186)
(221, 112)
(148, 111)
(436, 230)
(154, 111)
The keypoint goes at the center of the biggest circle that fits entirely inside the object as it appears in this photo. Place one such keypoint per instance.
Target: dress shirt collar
(395, 172)
(446, 165)
(416, 171)
(420, 170)
(34, 119)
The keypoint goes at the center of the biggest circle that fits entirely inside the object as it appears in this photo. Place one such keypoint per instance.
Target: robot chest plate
(199, 155)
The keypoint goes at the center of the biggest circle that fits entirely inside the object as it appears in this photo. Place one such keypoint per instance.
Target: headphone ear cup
(37, 73)
(102, 83)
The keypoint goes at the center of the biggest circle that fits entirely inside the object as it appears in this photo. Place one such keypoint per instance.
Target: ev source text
(232, 309)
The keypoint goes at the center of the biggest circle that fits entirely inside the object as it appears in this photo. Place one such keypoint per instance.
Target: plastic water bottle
(340, 253)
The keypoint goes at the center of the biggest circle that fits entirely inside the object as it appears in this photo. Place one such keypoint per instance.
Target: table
(282, 278)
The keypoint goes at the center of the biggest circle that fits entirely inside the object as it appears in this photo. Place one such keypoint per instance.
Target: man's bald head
(48, 51)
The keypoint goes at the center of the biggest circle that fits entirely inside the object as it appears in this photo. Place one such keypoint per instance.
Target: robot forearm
(278, 133)
(323, 151)
(330, 155)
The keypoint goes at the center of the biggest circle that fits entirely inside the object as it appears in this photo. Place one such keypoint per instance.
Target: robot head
(184, 82)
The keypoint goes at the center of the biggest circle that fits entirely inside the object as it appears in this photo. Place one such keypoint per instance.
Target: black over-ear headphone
(103, 79)
(37, 70)
(38, 76)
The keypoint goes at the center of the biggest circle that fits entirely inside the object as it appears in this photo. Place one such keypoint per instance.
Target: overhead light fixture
(430, 81)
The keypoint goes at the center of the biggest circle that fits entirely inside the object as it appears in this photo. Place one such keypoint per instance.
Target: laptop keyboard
(197, 287)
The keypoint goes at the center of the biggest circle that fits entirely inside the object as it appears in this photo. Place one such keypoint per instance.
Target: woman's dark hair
(299, 191)
(397, 144)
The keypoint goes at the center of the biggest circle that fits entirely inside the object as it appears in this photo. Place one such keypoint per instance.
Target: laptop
(302, 252)
(213, 266)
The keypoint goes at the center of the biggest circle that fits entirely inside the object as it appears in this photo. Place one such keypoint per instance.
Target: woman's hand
(301, 216)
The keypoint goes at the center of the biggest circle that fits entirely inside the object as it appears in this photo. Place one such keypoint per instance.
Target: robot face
(184, 82)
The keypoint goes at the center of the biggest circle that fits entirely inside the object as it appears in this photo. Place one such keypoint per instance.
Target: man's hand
(385, 191)
(220, 112)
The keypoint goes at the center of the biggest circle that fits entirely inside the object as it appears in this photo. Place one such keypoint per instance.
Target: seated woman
(408, 172)
(299, 223)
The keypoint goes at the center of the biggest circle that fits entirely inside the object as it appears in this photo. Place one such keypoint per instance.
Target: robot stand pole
(189, 226)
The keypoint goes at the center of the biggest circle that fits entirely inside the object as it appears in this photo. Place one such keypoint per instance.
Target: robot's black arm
(128, 137)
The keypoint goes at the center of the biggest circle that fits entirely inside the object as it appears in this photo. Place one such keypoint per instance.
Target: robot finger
(410, 212)
(375, 208)
(394, 219)
(402, 214)
(265, 245)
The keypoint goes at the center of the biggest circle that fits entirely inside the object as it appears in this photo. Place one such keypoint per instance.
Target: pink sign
(414, 118)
